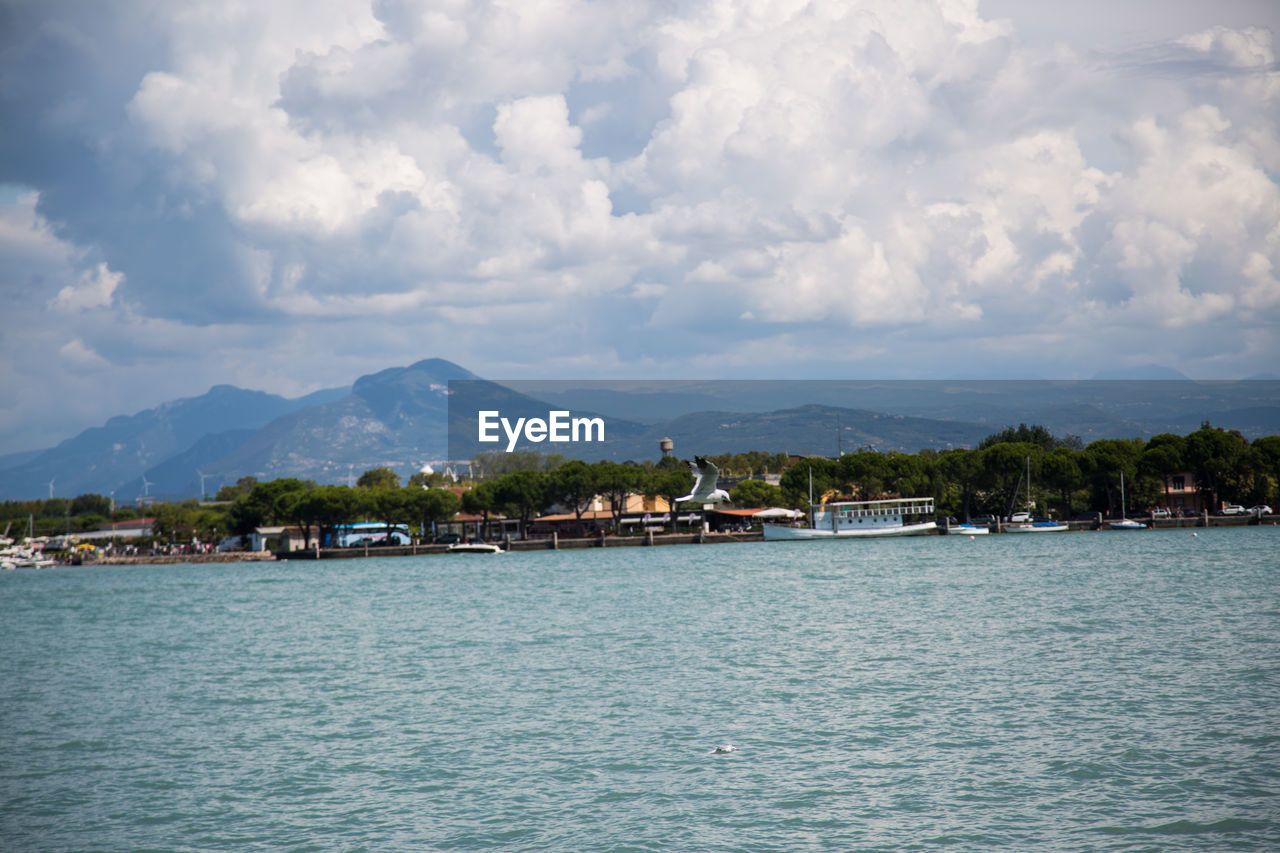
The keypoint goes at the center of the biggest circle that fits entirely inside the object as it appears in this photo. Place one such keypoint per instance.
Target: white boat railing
(880, 508)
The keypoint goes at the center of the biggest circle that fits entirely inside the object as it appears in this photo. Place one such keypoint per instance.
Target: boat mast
(1028, 488)
(811, 516)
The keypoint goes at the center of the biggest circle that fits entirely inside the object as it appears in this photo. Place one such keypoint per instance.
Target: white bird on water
(724, 750)
(704, 486)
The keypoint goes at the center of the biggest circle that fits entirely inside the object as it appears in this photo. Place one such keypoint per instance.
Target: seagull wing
(707, 476)
(695, 468)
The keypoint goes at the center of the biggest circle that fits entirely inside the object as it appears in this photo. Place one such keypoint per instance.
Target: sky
(285, 196)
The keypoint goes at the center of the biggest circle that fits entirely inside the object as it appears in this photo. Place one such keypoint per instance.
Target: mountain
(810, 429)
(403, 417)
(394, 418)
(179, 476)
(1149, 371)
(107, 458)
(1091, 409)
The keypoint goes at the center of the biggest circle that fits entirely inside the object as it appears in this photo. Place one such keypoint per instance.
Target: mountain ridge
(398, 418)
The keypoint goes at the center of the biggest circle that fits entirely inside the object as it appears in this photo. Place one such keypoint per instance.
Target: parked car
(1232, 509)
(1260, 509)
(1160, 512)
(1020, 517)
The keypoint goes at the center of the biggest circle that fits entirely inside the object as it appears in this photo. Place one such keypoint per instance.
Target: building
(281, 538)
(134, 528)
(1182, 495)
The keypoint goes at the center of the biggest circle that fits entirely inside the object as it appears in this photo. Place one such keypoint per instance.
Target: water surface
(1087, 691)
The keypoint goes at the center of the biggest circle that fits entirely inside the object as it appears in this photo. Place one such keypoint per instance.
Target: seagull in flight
(704, 486)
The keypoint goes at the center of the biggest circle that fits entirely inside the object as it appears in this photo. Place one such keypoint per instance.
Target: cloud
(290, 194)
(95, 290)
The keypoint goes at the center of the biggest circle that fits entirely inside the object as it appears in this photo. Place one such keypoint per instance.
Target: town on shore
(524, 501)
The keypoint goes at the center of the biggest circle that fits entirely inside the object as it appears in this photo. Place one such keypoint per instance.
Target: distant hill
(394, 418)
(399, 418)
(106, 458)
(1150, 371)
(812, 429)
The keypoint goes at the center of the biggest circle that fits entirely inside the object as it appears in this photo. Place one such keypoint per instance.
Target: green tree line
(1067, 478)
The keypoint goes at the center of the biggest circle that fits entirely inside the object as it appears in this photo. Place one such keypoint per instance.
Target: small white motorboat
(474, 548)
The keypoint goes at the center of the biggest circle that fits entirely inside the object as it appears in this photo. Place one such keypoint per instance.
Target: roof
(129, 524)
(589, 515)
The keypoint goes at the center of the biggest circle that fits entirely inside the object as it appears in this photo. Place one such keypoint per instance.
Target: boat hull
(474, 548)
(1036, 528)
(778, 532)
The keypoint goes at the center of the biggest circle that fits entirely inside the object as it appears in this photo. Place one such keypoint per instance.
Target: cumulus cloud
(845, 188)
(95, 290)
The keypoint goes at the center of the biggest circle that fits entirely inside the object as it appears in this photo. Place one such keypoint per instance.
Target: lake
(1084, 691)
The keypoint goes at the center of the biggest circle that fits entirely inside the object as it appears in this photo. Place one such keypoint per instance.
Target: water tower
(667, 446)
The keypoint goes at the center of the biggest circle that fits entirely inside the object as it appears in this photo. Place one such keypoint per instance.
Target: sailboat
(1125, 523)
(1030, 526)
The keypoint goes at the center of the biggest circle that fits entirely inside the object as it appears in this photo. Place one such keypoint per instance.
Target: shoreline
(649, 539)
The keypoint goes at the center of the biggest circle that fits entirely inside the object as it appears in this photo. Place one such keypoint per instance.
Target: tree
(263, 505)
(434, 480)
(756, 493)
(241, 489)
(174, 522)
(910, 475)
(293, 506)
(1035, 434)
(1267, 452)
(573, 484)
(1004, 464)
(393, 506)
(1104, 461)
(866, 472)
(91, 504)
(481, 500)
(1162, 458)
(1060, 472)
(331, 506)
(524, 491)
(963, 469)
(826, 476)
(617, 482)
(379, 478)
(493, 464)
(1218, 459)
(433, 505)
(669, 484)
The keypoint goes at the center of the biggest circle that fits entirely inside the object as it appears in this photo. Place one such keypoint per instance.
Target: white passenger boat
(862, 520)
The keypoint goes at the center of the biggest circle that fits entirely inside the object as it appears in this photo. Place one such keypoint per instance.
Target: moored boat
(1023, 522)
(862, 520)
(1125, 523)
(1036, 527)
(474, 548)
